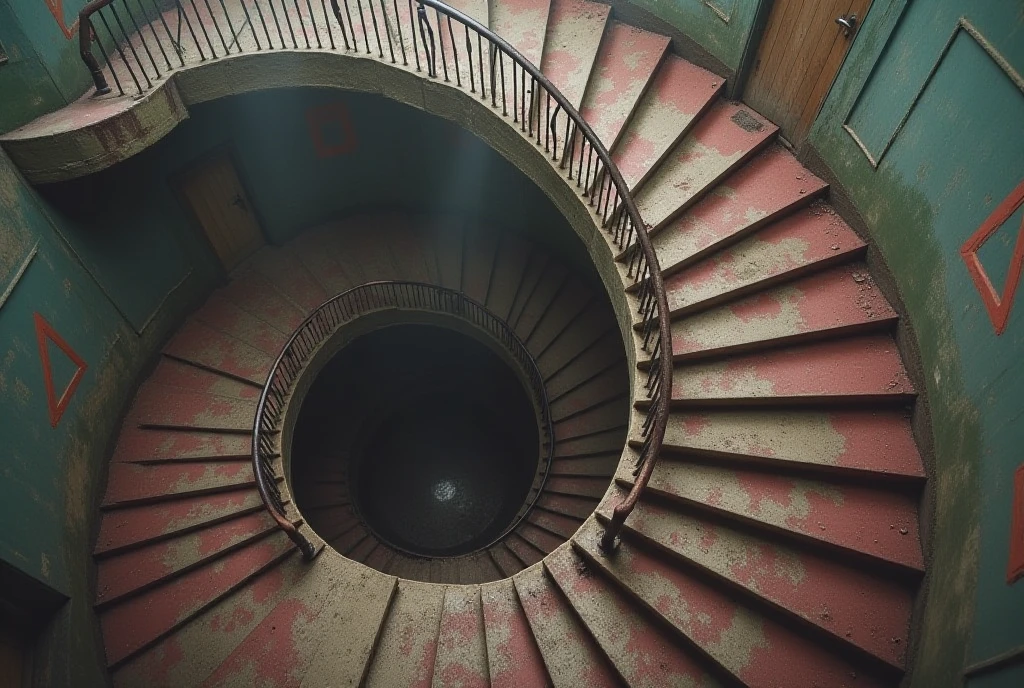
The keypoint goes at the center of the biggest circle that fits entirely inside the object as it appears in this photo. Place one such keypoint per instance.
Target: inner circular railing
(329, 319)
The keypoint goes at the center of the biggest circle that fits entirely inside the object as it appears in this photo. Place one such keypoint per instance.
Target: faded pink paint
(522, 23)
(283, 268)
(172, 373)
(201, 344)
(223, 315)
(131, 482)
(255, 294)
(171, 407)
(574, 33)
(137, 445)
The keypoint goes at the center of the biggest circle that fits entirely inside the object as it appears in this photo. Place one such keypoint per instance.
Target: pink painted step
(864, 441)
(567, 505)
(314, 249)
(133, 526)
(525, 551)
(878, 524)
(771, 185)
(594, 466)
(835, 302)
(609, 415)
(504, 560)
(523, 23)
(255, 294)
(119, 576)
(139, 445)
(224, 316)
(625, 67)
(630, 641)
(813, 588)
(172, 408)
(574, 33)
(136, 623)
(539, 538)
(724, 138)
(289, 275)
(749, 645)
(206, 347)
(461, 648)
(570, 303)
(679, 94)
(562, 375)
(173, 373)
(133, 483)
(408, 644)
(512, 654)
(857, 369)
(807, 240)
(598, 442)
(610, 384)
(554, 522)
(571, 656)
(577, 486)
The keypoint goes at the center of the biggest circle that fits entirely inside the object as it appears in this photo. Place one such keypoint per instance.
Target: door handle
(240, 202)
(849, 24)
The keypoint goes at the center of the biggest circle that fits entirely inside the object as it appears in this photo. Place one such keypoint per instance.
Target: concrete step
(407, 648)
(574, 34)
(461, 647)
(203, 346)
(513, 657)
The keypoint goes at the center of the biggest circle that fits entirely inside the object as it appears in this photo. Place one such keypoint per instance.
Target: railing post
(85, 35)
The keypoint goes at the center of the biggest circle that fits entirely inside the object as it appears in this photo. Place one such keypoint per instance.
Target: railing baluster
(131, 49)
(387, 30)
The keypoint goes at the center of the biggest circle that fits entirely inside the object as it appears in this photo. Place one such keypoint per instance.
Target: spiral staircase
(777, 542)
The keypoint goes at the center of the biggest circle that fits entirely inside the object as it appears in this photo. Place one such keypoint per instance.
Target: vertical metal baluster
(401, 37)
(263, 21)
(288, 22)
(252, 26)
(494, 91)
(522, 106)
(504, 100)
(131, 49)
(216, 26)
(163, 22)
(312, 20)
(469, 59)
(298, 18)
(337, 15)
(327, 21)
(480, 59)
(106, 58)
(451, 42)
(413, 23)
(547, 119)
(362, 24)
(352, 28)
(277, 23)
(387, 30)
(183, 12)
(231, 27)
(142, 38)
(590, 157)
(376, 30)
(515, 94)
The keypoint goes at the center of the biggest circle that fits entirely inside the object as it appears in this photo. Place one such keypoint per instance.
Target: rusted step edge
(156, 499)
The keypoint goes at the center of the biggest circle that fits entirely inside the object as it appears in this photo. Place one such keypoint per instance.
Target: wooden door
(800, 53)
(219, 203)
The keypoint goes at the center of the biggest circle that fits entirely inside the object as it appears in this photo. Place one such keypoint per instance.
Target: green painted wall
(958, 153)
(26, 87)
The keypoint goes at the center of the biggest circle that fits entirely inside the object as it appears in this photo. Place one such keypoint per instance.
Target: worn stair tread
(361, 551)
(512, 655)
(135, 570)
(546, 290)
(408, 642)
(461, 647)
(626, 64)
(522, 24)
(412, 252)
(204, 346)
(136, 623)
(510, 263)
(603, 465)
(525, 551)
(570, 653)
(129, 527)
(607, 384)
(555, 522)
(381, 558)
(533, 274)
(194, 651)
(875, 443)
(590, 444)
(358, 248)
(577, 486)
(314, 249)
(826, 595)
(837, 301)
(604, 353)
(477, 568)
(280, 266)
(679, 94)
(255, 294)
(568, 305)
(134, 483)
(724, 138)
(769, 186)
(875, 523)
(799, 243)
(347, 541)
(352, 622)
(746, 643)
(507, 562)
(608, 415)
(632, 643)
(479, 250)
(539, 538)
(160, 406)
(225, 316)
(174, 373)
(154, 445)
(574, 33)
(448, 240)
(856, 369)
(594, 323)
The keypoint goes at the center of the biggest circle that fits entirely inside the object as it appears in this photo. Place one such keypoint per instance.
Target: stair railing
(324, 322)
(425, 36)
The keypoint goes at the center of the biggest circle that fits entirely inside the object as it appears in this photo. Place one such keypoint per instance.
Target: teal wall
(937, 176)
(44, 70)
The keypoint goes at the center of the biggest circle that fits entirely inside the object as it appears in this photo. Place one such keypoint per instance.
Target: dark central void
(431, 434)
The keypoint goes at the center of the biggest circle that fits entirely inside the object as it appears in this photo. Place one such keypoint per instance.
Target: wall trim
(18, 274)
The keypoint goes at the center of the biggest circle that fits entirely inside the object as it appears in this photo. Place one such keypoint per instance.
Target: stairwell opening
(421, 433)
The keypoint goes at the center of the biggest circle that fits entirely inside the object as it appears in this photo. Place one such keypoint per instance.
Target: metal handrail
(471, 57)
(338, 311)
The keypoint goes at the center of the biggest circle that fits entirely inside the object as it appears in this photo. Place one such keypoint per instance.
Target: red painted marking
(56, 8)
(45, 332)
(998, 305)
(1015, 568)
(330, 129)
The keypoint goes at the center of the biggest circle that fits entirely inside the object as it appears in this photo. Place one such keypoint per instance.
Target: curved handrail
(489, 69)
(324, 322)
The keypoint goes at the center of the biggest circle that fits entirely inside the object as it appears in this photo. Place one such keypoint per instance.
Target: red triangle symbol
(44, 333)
